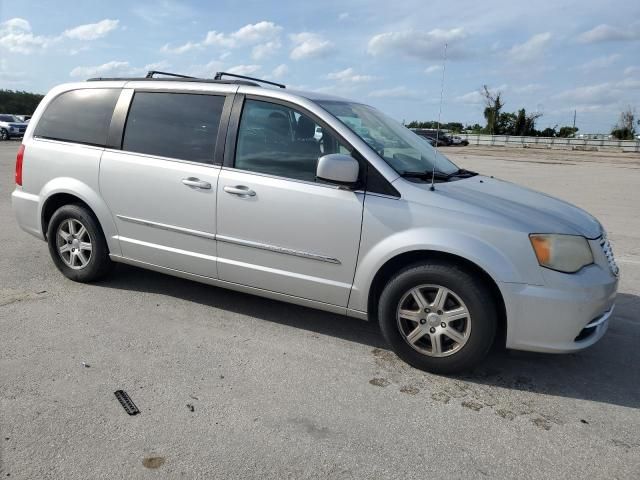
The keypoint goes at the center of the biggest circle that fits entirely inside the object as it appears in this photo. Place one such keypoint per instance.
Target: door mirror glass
(338, 168)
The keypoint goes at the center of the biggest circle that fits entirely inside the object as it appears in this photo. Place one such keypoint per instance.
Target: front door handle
(196, 183)
(240, 190)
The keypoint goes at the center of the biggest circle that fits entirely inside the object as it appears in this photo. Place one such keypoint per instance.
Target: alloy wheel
(434, 320)
(74, 243)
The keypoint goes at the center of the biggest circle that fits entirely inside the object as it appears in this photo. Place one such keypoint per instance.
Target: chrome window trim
(157, 157)
(66, 142)
(289, 179)
(170, 228)
(277, 249)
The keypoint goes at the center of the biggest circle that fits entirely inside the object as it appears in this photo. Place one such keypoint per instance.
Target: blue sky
(551, 57)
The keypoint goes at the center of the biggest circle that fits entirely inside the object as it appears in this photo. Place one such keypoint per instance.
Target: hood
(537, 212)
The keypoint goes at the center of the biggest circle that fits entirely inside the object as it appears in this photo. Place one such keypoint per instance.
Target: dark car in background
(442, 139)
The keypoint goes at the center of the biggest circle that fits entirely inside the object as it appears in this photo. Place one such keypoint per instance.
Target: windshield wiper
(461, 172)
(426, 174)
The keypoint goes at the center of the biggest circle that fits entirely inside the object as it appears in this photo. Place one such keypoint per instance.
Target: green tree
(520, 125)
(493, 107)
(567, 132)
(548, 132)
(19, 103)
(625, 128)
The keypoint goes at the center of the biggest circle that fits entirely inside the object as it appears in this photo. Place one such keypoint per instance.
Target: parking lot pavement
(280, 391)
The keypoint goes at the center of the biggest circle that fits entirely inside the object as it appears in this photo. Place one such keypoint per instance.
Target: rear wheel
(438, 317)
(77, 245)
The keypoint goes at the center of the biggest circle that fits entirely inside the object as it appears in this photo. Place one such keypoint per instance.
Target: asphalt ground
(235, 386)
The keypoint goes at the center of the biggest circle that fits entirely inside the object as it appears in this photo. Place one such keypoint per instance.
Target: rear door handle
(196, 183)
(240, 190)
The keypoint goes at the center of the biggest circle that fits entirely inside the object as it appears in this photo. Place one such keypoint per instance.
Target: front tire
(4, 135)
(77, 245)
(438, 317)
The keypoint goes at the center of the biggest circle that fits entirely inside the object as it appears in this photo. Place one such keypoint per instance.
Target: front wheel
(4, 135)
(438, 317)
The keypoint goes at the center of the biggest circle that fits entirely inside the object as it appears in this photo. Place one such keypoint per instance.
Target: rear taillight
(19, 159)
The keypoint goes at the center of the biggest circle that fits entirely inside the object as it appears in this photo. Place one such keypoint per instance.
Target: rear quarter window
(80, 116)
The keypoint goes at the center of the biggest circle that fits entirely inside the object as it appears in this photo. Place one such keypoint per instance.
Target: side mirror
(338, 168)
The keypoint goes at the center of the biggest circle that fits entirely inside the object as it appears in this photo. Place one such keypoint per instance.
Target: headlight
(565, 253)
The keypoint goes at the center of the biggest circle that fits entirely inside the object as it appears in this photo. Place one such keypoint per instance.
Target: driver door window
(278, 140)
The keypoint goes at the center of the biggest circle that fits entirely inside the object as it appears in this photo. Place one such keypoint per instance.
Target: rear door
(161, 185)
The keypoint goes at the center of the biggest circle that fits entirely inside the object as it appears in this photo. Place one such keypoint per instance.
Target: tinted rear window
(174, 125)
(81, 116)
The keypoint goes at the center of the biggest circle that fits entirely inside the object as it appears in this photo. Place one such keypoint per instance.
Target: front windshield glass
(8, 118)
(397, 145)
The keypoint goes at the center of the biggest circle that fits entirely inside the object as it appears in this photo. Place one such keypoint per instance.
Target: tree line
(523, 123)
(18, 102)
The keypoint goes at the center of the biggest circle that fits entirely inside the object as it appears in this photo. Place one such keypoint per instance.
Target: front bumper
(560, 320)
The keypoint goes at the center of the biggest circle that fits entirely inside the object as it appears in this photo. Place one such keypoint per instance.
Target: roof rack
(151, 73)
(219, 76)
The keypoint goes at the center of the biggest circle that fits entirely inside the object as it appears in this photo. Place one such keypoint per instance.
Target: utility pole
(574, 120)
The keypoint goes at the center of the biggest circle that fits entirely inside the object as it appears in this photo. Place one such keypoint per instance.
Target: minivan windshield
(402, 149)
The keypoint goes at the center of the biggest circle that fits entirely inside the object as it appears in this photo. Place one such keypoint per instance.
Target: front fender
(474, 249)
(89, 196)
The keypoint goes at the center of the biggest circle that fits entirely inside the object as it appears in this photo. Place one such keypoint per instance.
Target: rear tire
(438, 317)
(77, 245)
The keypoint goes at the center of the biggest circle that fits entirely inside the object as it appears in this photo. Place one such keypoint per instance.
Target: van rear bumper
(26, 208)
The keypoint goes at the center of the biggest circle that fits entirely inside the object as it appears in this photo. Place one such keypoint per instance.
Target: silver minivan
(314, 200)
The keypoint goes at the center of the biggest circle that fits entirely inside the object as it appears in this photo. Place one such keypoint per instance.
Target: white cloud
(9, 75)
(309, 45)
(471, 98)
(91, 31)
(432, 69)
(109, 69)
(265, 50)
(600, 62)
(207, 70)
(528, 88)
(418, 44)
(396, 92)
(633, 70)
(532, 49)
(217, 39)
(16, 36)
(117, 68)
(343, 16)
(476, 97)
(161, 11)
(348, 75)
(602, 94)
(259, 34)
(280, 71)
(608, 33)
(244, 69)
(186, 47)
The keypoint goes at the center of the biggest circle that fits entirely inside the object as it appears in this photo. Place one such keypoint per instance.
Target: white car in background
(11, 126)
